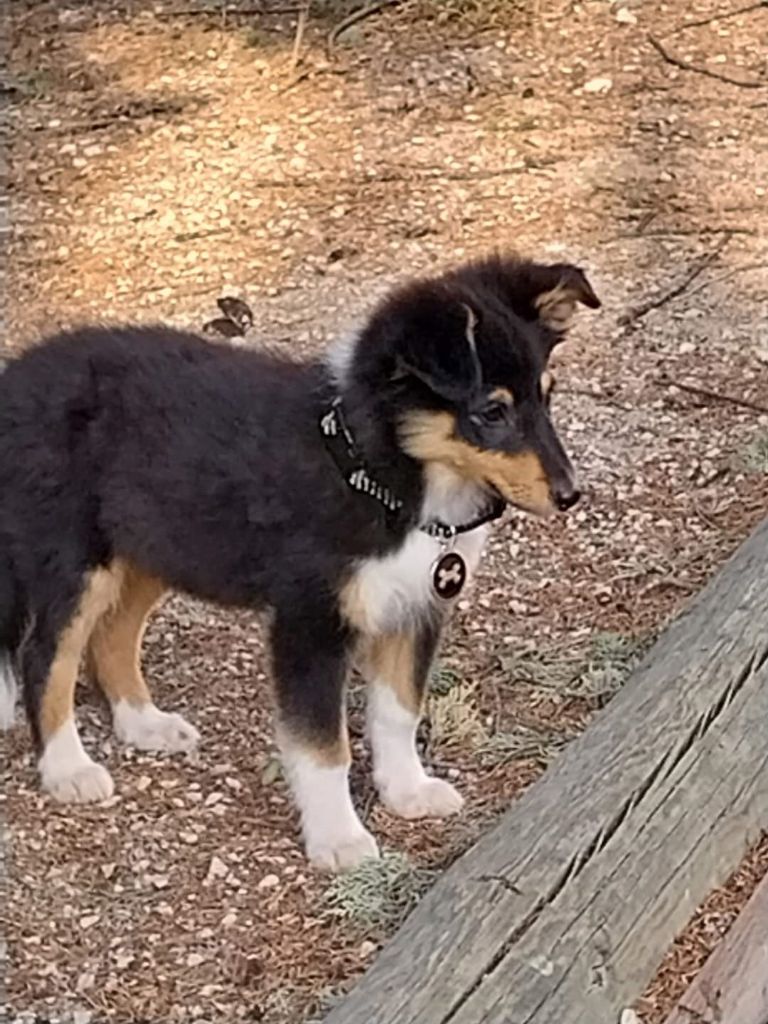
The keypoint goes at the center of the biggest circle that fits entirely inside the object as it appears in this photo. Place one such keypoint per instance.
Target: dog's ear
(437, 345)
(555, 290)
(541, 292)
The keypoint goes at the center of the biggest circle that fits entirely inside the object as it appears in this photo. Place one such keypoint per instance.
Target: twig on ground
(683, 233)
(727, 275)
(721, 17)
(236, 12)
(706, 518)
(536, 22)
(597, 397)
(301, 25)
(685, 65)
(387, 177)
(640, 311)
(305, 75)
(354, 18)
(716, 396)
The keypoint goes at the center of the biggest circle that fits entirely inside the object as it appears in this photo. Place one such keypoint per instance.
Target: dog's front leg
(397, 667)
(310, 648)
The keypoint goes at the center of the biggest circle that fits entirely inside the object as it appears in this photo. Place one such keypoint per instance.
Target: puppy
(351, 496)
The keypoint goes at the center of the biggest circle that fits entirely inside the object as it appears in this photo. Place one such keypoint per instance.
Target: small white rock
(88, 921)
(85, 981)
(123, 960)
(195, 959)
(598, 85)
(625, 17)
(216, 869)
(268, 882)
(629, 1016)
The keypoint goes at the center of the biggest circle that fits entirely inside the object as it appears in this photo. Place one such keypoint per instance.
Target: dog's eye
(496, 412)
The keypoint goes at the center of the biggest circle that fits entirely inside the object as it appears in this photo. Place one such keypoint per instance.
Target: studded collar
(341, 444)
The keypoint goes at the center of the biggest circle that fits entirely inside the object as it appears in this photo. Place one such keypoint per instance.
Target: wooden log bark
(732, 986)
(562, 913)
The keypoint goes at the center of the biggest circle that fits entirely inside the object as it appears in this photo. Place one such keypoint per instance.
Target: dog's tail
(8, 619)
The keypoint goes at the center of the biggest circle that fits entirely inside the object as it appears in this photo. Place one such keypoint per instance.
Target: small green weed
(258, 38)
(454, 717)
(594, 670)
(443, 680)
(377, 893)
(522, 743)
(36, 84)
(756, 455)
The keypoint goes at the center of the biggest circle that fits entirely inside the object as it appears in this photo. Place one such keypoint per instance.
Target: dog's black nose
(566, 497)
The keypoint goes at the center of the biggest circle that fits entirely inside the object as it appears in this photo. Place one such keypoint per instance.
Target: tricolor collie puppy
(351, 496)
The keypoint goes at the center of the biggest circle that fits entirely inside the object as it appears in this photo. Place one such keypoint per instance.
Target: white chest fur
(389, 593)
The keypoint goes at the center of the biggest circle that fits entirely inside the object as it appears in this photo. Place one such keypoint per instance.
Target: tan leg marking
(391, 661)
(325, 755)
(394, 708)
(100, 593)
(116, 656)
(116, 642)
(334, 837)
(66, 770)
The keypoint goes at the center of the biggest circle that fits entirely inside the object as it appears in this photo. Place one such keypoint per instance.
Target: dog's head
(460, 362)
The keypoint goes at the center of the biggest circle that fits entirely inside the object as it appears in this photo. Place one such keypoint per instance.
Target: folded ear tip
(585, 291)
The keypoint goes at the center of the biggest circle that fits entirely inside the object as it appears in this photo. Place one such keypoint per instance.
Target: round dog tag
(449, 574)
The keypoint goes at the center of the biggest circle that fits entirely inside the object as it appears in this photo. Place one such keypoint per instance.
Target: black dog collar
(341, 444)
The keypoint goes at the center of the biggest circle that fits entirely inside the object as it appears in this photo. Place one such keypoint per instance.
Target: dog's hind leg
(8, 691)
(311, 662)
(396, 667)
(115, 653)
(50, 658)
(9, 615)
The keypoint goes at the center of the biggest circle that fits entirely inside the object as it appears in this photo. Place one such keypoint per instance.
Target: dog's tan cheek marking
(431, 437)
(390, 660)
(101, 590)
(115, 649)
(520, 476)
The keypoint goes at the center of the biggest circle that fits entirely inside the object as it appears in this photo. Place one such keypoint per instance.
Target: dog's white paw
(341, 851)
(146, 727)
(87, 784)
(430, 798)
(68, 773)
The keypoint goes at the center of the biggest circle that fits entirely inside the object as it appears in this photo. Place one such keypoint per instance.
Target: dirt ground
(163, 157)
(708, 927)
